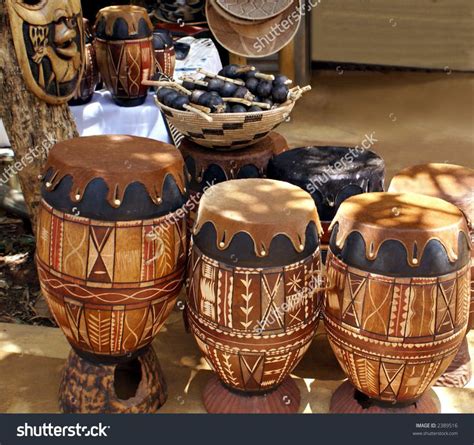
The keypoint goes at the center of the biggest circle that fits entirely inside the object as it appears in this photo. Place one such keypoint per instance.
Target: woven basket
(227, 131)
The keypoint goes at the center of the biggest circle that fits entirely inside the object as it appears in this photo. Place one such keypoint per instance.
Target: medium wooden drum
(210, 167)
(124, 46)
(454, 184)
(330, 175)
(253, 292)
(396, 308)
(111, 245)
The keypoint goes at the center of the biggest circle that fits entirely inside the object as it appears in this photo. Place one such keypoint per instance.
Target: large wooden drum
(454, 184)
(124, 46)
(396, 308)
(252, 297)
(111, 246)
(330, 175)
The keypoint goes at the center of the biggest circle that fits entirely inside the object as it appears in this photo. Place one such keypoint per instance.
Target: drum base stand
(220, 399)
(460, 370)
(347, 400)
(134, 386)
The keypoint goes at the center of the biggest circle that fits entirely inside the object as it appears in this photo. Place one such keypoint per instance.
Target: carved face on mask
(49, 44)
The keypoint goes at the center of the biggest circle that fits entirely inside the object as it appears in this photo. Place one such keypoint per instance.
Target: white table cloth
(103, 116)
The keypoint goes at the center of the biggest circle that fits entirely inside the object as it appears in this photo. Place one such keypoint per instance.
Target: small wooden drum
(396, 308)
(454, 184)
(253, 292)
(210, 167)
(124, 49)
(111, 247)
(330, 175)
(91, 77)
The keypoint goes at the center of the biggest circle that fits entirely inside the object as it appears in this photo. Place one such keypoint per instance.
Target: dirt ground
(20, 300)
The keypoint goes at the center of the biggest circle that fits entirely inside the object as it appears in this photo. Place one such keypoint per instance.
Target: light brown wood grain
(423, 33)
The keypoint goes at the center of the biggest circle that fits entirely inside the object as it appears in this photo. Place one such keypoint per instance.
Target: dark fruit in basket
(189, 85)
(215, 84)
(228, 89)
(233, 71)
(266, 101)
(228, 108)
(162, 92)
(212, 101)
(280, 93)
(252, 84)
(280, 79)
(170, 97)
(180, 101)
(254, 108)
(243, 93)
(264, 88)
(238, 108)
(250, 74)
(196, 94)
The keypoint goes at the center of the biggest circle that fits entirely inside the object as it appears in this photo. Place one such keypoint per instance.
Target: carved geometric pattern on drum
(128, 254)
(247, 297)
(207, 287)
(133, 326)
(368, 374)
(44, 227)
(446, 307)
(399, 311)
(158, 314)
(251, 366)
(275, 368)
(59, 312)
(179, 235)
(422, 310)
(353, 300)
(98, 326)
(225, 287)
(226, 367)
(150, 249)
(116, 330)
(133, 60)
(311, 284)
(56, 247)
(463, 287)
(77, 323)
(391, 375)
(376, 310)
(75, 245)
(116, 54)
(100, 264)
(165, 255)
(273, 296)
(296, 295)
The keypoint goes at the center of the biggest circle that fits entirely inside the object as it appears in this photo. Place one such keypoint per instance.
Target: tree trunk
(31, 124)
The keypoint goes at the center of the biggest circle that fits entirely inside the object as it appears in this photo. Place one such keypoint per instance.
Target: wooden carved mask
(49, 43)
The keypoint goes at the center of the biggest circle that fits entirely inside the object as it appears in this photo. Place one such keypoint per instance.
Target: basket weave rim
(224, 116)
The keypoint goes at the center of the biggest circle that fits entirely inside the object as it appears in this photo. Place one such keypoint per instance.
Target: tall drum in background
(164, 52)
(454, 184)
(111, 254)
(124, 46)
(330, 175)
(397, 304)
(253, 297)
